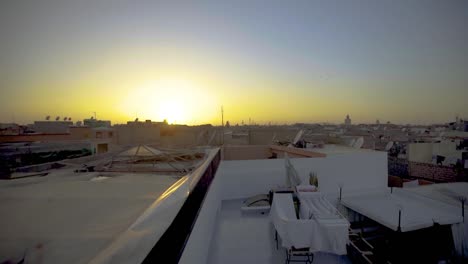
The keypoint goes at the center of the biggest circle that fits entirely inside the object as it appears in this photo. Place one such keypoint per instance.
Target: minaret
(347, 120)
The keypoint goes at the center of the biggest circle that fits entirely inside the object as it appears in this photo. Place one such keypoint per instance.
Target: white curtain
(460, 235)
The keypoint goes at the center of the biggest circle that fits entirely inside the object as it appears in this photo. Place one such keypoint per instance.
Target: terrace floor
(248, 237)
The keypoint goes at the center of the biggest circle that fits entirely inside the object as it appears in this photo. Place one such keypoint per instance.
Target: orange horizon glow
(306, 61)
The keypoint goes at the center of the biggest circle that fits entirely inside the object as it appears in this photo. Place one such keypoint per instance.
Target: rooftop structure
(91, 122)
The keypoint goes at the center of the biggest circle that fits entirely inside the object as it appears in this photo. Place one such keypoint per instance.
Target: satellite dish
(298, 137)
(57, 118)
(358, 143)
(389, 145)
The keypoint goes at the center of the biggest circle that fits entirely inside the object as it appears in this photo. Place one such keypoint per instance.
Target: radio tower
(222, 123)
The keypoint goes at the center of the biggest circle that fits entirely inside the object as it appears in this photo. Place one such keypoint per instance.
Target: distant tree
(228, 125)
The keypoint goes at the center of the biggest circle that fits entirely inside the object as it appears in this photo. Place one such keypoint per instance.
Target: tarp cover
(451, 193)
(417, 211)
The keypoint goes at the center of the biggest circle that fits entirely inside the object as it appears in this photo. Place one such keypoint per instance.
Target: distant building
(52, 127)
(96, 123)
(443, 153)
(10, 129)
(136, 132)
(459, 124)
(347, 121)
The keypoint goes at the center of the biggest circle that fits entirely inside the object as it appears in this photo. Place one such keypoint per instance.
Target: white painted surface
(425, 152)
(420, 152)
(354, 171)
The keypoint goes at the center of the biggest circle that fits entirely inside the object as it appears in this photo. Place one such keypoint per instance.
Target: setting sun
(172, 111)
(177, 101)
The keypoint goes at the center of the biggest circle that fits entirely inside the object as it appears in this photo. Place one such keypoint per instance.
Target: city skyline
(314, 61)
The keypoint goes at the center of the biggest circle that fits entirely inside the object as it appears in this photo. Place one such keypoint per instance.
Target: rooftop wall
(433, 172)
(246, 152)
(74, 133)
(420, 152)
(137, 134)
(52, 127)
(264, 136)
(180, 138)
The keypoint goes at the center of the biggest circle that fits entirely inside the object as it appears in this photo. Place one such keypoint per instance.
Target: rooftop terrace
(249, 237)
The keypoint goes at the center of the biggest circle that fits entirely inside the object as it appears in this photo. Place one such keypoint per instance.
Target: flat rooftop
(69, 217)
(331, 149)
(75, 216)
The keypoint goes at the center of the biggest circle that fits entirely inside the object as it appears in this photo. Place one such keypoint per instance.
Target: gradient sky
(271, 61)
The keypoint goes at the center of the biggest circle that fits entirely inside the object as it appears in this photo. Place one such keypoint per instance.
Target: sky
(267, 61)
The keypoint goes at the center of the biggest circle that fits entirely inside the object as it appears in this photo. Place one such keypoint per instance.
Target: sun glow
(172, 111)
(177, 101)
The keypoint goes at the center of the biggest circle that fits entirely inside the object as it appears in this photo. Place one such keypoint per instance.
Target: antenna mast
(222, 123)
